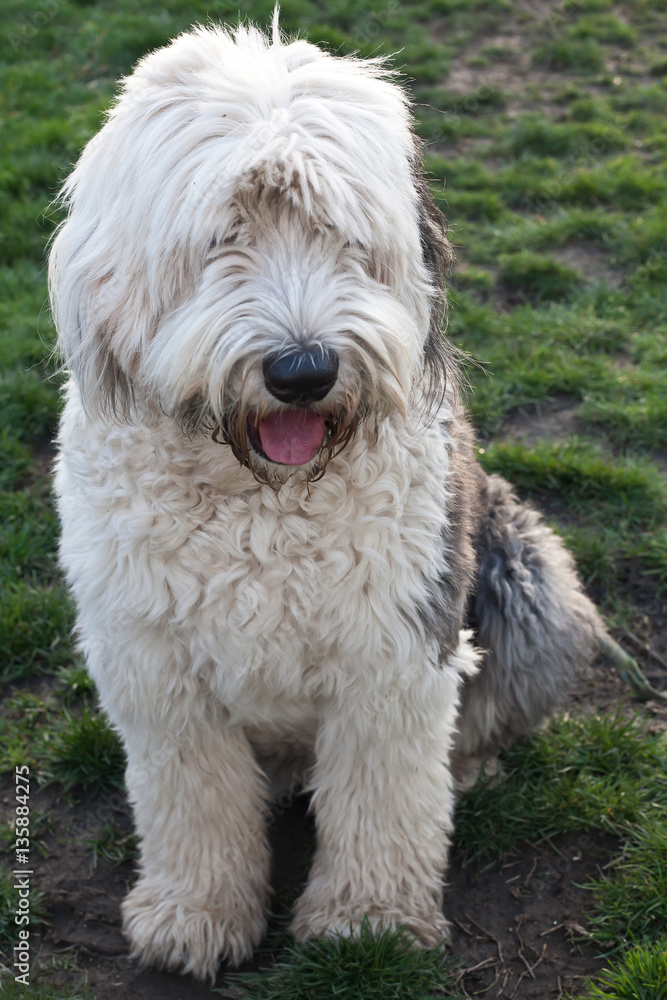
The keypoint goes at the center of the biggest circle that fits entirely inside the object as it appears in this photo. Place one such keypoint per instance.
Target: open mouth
(289, 437)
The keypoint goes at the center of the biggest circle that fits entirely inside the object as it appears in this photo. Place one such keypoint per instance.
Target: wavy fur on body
(248, 197)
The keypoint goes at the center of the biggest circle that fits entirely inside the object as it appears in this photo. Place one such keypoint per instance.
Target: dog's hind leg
(534, 622)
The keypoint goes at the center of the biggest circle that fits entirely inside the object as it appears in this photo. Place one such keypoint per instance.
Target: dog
(287, 563)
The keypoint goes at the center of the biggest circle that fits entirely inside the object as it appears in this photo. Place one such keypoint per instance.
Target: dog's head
(250, 243)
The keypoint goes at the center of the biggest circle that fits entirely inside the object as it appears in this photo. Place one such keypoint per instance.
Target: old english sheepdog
(287, 564)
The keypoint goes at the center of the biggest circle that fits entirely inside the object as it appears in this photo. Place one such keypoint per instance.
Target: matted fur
(241, 617)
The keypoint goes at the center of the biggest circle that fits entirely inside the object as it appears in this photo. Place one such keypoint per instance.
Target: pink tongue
(292, 437)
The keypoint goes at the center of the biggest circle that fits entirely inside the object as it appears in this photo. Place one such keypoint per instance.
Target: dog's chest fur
(270, 595)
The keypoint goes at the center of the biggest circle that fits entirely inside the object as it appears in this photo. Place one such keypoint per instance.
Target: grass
(112, 844)
(35, 623)
(629, 489)
(85, 752)
(11, 990)
(557, 197)
(77, 749)
(642, 975)
(593, 773)
(366, 967)
(8, 904)
(536, 278)
(633, 904)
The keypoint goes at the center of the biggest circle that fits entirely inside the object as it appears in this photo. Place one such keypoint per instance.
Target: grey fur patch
(103, 383)
(444, 614)
(532, 617)
(440, 355)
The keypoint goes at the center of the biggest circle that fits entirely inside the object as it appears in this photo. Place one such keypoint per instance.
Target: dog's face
(250, 243)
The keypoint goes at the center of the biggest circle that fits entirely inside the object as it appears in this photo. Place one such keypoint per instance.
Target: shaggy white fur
(249, 199)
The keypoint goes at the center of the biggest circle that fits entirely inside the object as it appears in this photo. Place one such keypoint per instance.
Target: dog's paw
(316, 917)
(169, 933)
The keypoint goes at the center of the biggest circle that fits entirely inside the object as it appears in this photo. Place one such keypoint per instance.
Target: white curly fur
(245, 195)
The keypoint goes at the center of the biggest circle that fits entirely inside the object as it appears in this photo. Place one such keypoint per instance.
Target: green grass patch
(8, 904)
(589, 773)
(364, 967)
(28, 534)
(26, 722)
(35, 626)
(641, 975)
(535, 278)
(596, 551)
(632, 901)
(641, 421)
(578, 55)
(75, 748)
(113, 844)
(75, 683)
(85, 753)
(627, 489)
(536, 135)
(10, 990)
(605, 28)
(14, 460)
(29, 404)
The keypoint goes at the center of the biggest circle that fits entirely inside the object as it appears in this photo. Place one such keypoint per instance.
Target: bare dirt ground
(518, 927)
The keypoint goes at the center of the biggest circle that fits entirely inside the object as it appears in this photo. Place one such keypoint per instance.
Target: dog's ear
(80, 307)
(88, 304)
(439, 355)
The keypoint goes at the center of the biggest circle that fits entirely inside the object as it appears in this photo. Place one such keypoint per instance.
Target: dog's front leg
(383, 803)
(198, 800)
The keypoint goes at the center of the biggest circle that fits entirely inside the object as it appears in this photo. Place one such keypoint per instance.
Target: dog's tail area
(539, 629)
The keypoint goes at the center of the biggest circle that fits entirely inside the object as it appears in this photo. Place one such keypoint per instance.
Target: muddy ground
(518, 927)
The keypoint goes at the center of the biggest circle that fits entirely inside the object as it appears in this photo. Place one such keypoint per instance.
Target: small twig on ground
(526, 881)
(540, 959)
(526, 963)
(490, 936)
(518, 983)
(488, 962)
(502, 988)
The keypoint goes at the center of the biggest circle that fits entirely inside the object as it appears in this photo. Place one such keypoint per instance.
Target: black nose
(302, 376)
